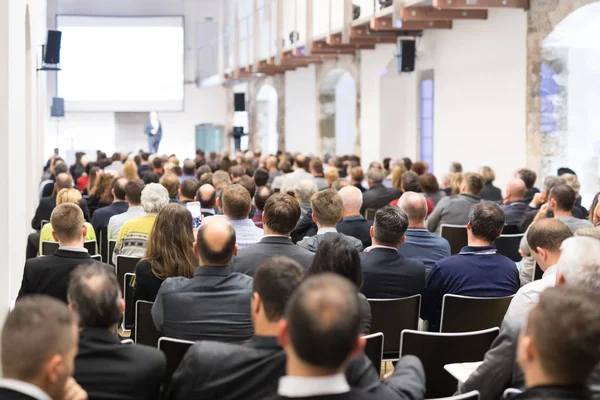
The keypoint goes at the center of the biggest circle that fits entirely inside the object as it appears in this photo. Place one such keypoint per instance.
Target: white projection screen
(123, 64)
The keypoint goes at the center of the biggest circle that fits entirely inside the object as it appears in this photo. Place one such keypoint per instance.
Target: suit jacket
(358, 227)
(148, 130)
(104, 214)
(45, 208)
(9, 394)
(491, 193)
(213, 305)
(50, 275)
(388, 275)
(312, 243)
(250, 257)
(379, 196)
(514, 212)
(107, 369)
(222, 371)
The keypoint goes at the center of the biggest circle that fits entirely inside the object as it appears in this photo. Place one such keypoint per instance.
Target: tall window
(426, 119)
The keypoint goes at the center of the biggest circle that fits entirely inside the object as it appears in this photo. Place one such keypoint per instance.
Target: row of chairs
(507, 244)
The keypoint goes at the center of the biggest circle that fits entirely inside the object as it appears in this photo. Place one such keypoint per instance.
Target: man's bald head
(215, 243)
(63, 181)
(415, 206)
(516, 189)
(207, 196)
(352, 198)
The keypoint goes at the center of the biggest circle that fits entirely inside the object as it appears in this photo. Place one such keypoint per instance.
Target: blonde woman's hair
(397, 173)
(68, 196)
(572, 181)
(488, 174)
(130, 171)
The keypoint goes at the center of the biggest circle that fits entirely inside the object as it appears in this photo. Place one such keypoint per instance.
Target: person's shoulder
(410, 262)
(40, 262)
(174, 284)
(242, 279)
(146, 357)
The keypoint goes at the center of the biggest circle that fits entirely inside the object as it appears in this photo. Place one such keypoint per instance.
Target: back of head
(116, 157)
(206, 179)
(357, 174)
(154, 198)
(420, 168)
(340, 183)
(60, 168)
(221, 179)
(305, 189)
(390, 225)
(551, 181)
(323, 321)
(547, 234)
(473, 183)
(189, 187)
(488, 175)
(352, 198)
(203, 169)
(215, 242)
(63, 181)
(171, 183)
(68, 196)
(563, 331)
(189, 167)
(456, 168)
(487, 221)
(249, 184)
(414, 205)
(374, 176)
(262, 195)
(207, 196)
(39, 328)
(67, 222)
(564, 196)
(572, 181)
(332, 174)
(579, 263)
(275, 280)
(133, 192)
(272, 162)
(327, 207)
(130, 170)
(411, 182)
(157, 163)
(338, 256)
(237, 171)
(316, 165)
(528, 176)
(261, 177)
(429, 183)
(397, 173)
(150, 177)
(119, 188)
(281, 213)
(95, 295)
(236, 202)
(516, 188)
(301, 162)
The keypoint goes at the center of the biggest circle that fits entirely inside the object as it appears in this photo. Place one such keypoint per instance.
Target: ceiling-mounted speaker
(385, 3)
(294, 36)
(355, 12)
(407, 51)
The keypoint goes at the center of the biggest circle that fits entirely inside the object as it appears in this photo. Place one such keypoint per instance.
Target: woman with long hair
(130, 171)
(98, 195)
(169, 252)
(338, 256)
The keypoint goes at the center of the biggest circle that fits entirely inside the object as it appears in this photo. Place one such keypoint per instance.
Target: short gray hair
(579, 263)
(154, 198)
(305, 189)
(551, 181)
(351, 197)
(374, 175)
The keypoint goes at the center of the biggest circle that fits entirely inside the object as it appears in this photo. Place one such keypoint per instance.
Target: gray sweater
(451, 211)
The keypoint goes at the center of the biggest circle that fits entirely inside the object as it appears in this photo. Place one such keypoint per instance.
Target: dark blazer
(8, 394)
(50, 275)
(491, 193)
(45, 208)
(388, 275)
(107, 369)
(556, 393)
(146, 283)
(305, 227)
(358, 227)
(379, 196)
(148, 130)
(514, 212)
(250, 257)
(104, 214)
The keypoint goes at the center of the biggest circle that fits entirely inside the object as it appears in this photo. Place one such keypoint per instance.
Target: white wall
(345, 115)
(301, 110)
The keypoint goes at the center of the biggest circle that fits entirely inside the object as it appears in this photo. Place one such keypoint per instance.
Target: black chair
(374, 349)
(435, 350)
(97, 257)
(125, 265)
(472, 395)
(537, 272)
(44, 222)
(111, 250)
(91, 246)
(103, 243)
(456, 235)
(174, 350)
(511, 393)
(370, 214)
(511, 230)
(129, 306)
(391, 317)
(508, 245)
(468, 314)
(144, 329)
(48, 248)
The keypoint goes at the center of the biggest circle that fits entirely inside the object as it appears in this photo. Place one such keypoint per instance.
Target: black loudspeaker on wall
(58, 107)
(239, 102)
(406, 56)
(52, 49)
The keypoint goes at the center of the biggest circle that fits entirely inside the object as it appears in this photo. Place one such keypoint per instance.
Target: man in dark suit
(279, 220)
(320, 333)
(514, 206)
(353, 223)
(49, 275)
(39, 344)
(378, 195)
(154, 131)
(387, 274)
(118, 206)
(215, 303)
(104, 367)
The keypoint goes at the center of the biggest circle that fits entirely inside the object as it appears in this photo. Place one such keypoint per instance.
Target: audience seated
(305, 226)
(357, 176)
(135, 209)
(529, 177)
(171, 182)
(236, 203)
(338, 256)
(169, 252)
(262, 195)
(116, 165)
(101, 193)
(47, 186)
(387, 274)
(272, 167)
(285, 167)
(455, 210)
(130, 171)
(207, 196)
(560, 204)
(189, 172)
(331, 175)
(188, 189)
(215, 303)
(378, 195)
(353, 223)
(134, 234)
(301, 165)
(558, 347)
(103, 215)
(104, 367)
(327, 208)
(579, 211)
(538, 200)
(514, 206)
(489, 191)
(316, 169)
(419, 243)
(431, 189)
(279, 219)
(65, 196)
(478, 270)
(144, 166)
(261, 177)
(320, 333)
(39, 344)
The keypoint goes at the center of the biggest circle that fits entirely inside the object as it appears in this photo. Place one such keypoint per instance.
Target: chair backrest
(103, 243)
(391, 317)
(97, 257)
(511, 230)
(174, 350)
(125, 264)
(48, 248)
(127, 341)
(511, 393)
(144, 330)
(91, 246)
(456, 235)
(472, 395)
(44, 222)
(111, 250)
(508, 245)
(374, 349)
(438, 349)
(468, 314)
(129, 306)
(370, 214)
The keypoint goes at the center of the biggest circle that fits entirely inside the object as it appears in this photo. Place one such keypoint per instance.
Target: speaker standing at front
(153, 130)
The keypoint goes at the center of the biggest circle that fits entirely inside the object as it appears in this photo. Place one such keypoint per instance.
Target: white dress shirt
(296, 386)
(25, 388)
(323, 231)
(529, 295)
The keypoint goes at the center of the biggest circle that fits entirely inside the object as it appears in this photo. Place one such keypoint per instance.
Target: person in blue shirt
(478, 270)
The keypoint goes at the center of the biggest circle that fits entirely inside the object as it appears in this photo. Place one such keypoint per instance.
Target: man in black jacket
(104, 367)
(353, 223)
(378, 195)
(49, 275)
(279, 220)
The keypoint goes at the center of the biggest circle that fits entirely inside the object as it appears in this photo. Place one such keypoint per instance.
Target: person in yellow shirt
(66, 196)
